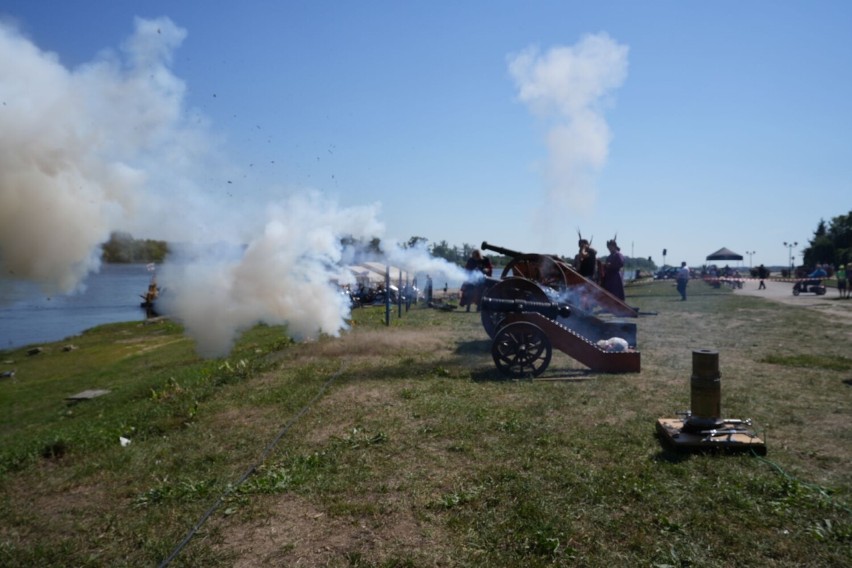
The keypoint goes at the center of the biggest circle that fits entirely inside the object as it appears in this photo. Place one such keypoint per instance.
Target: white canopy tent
(371, 273)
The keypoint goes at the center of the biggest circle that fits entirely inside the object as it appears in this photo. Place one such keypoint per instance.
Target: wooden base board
(671, 431)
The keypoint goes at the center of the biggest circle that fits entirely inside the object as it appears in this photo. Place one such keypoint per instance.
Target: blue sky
(719, 124)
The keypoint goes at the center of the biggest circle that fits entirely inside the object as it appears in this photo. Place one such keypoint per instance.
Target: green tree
(443, 250)
(117, 248)
(840, 232)
(414, 242)
(832, 243)
(123, 248)
(374, 246)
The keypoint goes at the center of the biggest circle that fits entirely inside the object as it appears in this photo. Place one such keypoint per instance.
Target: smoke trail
(289, 274)
(567, 87)
(111, 146)
(286, 275)
(58, 200)
(84, 149)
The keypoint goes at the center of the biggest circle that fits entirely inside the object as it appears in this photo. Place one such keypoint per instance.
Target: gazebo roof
(724, 254)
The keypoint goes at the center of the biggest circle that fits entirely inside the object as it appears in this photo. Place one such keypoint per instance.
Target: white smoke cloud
(58, 200)
(286, 275)
(111, 146)
(289, 274)
(568, 88)
(88, 151)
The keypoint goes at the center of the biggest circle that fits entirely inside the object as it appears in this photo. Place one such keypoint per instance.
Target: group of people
(843, 273)
(608, 272)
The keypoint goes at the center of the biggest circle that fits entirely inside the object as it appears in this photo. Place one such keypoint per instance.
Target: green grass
(833, 363)
(403, 446)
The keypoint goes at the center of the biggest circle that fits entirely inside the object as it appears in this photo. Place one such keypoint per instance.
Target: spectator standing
(841, 281)
(586, 259)
(612, 281)
(848, 279)
(477, 267)
(762, 273)
(682, 280)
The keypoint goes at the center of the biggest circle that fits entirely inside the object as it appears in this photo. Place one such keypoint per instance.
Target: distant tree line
(459, 255)
(122, 248)
(831, 243)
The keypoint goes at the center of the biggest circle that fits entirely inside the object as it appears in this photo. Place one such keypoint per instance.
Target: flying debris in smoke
(111, 146)
(568, 88)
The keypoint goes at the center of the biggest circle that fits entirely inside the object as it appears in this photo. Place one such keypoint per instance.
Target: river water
(29, 316)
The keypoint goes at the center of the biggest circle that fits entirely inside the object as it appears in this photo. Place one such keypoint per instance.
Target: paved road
(783, 292)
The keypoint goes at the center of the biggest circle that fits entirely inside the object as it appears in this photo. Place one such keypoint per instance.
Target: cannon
(546, 278)
(552, 272)
(541, 302)
(530, 330)
(543, 268)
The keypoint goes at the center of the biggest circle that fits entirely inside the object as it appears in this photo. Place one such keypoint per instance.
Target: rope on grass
(812, 486)
(249, 471)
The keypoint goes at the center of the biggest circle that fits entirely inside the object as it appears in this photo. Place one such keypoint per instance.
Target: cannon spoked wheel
(521, 349)
(540, 268)
(509, 289)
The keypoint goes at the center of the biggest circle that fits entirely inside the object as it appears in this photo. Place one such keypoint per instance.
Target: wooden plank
(671, 432)
(580, 348)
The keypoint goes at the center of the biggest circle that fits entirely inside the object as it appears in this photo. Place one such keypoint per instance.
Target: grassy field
(403, 446)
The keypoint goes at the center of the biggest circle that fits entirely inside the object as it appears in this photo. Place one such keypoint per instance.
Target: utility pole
(790, 254)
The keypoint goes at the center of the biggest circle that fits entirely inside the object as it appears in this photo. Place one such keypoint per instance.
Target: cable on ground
(248, 472)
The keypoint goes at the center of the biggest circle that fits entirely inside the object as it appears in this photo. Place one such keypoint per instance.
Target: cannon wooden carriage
(541, 303)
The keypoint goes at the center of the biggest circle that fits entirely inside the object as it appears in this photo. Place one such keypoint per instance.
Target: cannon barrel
(501, 250)
(550, 310)
(510, 252)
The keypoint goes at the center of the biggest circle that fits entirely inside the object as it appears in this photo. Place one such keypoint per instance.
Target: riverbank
(405, 446)
(29, 316)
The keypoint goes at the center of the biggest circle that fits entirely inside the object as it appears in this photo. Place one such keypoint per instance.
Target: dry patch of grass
(294, 532)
